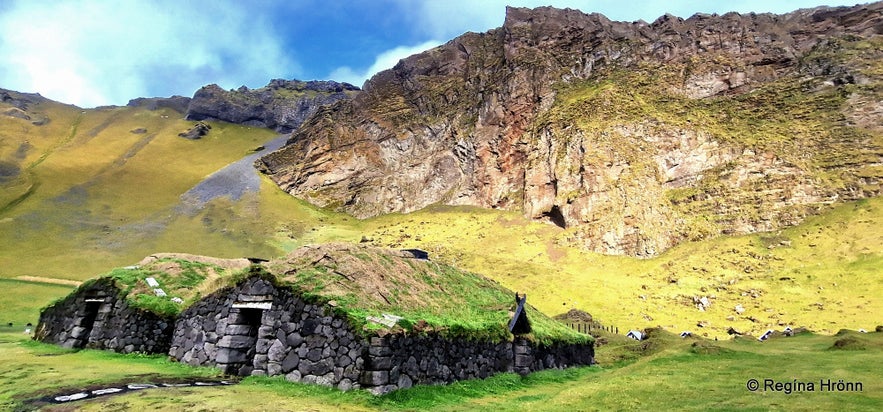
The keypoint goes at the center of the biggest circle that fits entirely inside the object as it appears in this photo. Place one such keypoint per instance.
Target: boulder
(197, 131)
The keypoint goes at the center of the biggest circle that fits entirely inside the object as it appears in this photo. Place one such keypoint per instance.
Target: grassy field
(823, 274)
(21, 301)
(663, 373)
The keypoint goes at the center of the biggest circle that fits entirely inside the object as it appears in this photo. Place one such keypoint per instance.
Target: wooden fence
(586, 327)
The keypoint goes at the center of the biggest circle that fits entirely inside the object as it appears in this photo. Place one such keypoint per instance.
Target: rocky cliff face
(632, 136)
(176, 103)
(281, 105)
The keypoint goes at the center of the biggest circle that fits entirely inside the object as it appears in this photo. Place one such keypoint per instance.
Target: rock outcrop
(24, 106)
(281, 105)
(176, 103)
(636, 135)
(197, 131)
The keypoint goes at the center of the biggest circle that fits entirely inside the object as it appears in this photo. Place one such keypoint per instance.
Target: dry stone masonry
(256, 328)
(97, 317)
(259, 327)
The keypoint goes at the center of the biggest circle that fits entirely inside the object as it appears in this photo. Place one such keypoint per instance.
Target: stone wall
(96, 317)
(400, 361)
(303, 341)
(255, 328)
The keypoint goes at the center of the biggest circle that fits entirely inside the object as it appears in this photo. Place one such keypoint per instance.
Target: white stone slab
(253, 305)
(159, 292)
(106, 391)
(383, 321)
(152, 282)
(68, 398)
(135, 386)
(393, 318)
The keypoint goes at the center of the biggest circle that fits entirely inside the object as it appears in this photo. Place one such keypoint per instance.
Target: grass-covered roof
(358, 281)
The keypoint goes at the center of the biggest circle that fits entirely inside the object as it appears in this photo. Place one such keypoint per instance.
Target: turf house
(337, 315)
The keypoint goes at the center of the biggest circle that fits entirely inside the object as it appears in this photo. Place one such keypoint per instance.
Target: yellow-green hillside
(101, 185)
(824, 274)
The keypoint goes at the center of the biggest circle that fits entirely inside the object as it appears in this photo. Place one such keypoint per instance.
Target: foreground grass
(663, 373)
(31, 370)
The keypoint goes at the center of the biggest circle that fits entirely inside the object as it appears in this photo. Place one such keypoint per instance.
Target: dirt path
(54, 281)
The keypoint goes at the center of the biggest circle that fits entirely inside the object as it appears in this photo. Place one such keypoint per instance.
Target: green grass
(183, 283)
(21, 301)
(833, 259)
(449, 300)
(31, 369)
(671, 375)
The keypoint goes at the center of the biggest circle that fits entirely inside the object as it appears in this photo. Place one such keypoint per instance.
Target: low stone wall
(96, 317)
(400, 361)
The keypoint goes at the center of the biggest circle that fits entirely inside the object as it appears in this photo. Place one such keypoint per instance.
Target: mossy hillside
(23, 145)
(839, 246)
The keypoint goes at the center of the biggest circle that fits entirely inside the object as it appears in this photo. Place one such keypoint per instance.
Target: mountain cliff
(281, 105)
(632, 136)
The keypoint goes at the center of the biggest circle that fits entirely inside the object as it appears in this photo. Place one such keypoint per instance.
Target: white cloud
(383, 61)
(96, 52)
(450, 18)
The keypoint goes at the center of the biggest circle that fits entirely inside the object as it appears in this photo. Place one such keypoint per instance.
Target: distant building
(636, 335)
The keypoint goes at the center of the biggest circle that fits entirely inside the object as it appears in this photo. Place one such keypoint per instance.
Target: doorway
(245, 325)
(88, 322)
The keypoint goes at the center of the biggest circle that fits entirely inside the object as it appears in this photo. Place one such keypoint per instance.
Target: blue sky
(100, 52)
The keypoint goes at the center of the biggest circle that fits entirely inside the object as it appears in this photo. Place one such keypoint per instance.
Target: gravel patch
(233, 181)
